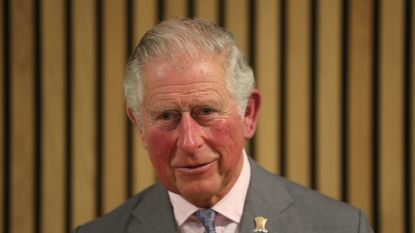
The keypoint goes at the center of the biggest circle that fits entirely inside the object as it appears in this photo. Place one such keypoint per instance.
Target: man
(191, 96)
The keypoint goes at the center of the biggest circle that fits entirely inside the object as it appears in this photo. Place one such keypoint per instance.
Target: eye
(206, 111)
(168, 116)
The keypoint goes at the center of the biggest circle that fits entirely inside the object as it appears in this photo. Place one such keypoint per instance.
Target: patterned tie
(207, 217)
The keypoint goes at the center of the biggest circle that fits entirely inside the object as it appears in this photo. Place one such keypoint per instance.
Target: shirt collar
(231, 205)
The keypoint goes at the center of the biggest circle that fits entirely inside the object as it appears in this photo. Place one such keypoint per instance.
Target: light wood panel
(298, 91)
(207, 9)
(391, 133)
(114, 118)
(328, 97)
(53, 116)
(83, 112)
(236, 21)
(22, 115)
(175, 8)
(145, 17)
(267, 70)
(360, 104)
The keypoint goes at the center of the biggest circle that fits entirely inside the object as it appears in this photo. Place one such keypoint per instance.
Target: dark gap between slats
(313, 94)
(407, 121)
(282, 86)
(375, 116)
(37, 120)
(251, 57)
(344, 103)
(7, 121)
(129, 143)
(99, 79)
(68, 112)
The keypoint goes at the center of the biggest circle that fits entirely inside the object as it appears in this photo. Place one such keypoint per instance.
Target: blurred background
(337, 78)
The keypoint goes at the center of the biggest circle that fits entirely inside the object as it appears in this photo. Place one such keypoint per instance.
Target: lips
(197, 168)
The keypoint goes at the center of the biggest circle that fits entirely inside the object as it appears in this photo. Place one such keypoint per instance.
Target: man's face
(192, 129)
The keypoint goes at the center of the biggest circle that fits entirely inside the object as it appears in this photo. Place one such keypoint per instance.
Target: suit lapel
(268, 197)
(153, 213)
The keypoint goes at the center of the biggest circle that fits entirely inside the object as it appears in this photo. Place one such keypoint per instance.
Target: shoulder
(274, 186)
(309, 208)
(118, 219)
(310, 200)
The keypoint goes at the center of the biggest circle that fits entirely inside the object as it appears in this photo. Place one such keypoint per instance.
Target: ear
(252, 113)
(136, 124)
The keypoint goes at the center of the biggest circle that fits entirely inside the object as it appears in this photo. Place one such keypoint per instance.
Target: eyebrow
(175, 105)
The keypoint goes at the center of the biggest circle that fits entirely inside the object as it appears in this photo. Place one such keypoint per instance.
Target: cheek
(228, 138)
(230, 130)
(159, 148)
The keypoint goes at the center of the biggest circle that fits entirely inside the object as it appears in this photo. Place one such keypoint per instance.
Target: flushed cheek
(160, 148)
(228, 140)
(157, 140)
(228, 134)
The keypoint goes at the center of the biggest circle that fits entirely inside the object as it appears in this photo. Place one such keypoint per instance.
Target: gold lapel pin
(260, 224)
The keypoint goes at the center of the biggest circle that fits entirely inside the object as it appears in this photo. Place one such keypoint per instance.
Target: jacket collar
(268, 197)
(153, 213)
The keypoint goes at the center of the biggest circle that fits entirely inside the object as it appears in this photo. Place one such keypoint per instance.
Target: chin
(200, 195)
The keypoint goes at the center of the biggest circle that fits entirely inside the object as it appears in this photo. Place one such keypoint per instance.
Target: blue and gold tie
(207, 217)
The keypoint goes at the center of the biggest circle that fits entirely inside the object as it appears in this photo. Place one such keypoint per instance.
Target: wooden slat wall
(82, 111)
(53, 117)
(359, 116)
(2, 121)
(390, 122)
(411, 111)
(267, 65)
(338, 115)
(144, 18)
(328, 98)
(207, 9)
(298, 91)
(22, 148)
(113, 112)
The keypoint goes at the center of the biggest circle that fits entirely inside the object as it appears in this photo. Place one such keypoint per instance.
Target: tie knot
(207, 217)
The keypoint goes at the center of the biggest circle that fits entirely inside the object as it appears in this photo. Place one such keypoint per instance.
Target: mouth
(197, 168)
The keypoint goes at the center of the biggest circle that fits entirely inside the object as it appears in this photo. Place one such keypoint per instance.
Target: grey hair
(194, 38)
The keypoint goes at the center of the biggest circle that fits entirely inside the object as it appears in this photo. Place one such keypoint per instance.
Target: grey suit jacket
(289, 208)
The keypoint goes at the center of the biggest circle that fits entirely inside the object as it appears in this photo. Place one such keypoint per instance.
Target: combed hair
(174, 39)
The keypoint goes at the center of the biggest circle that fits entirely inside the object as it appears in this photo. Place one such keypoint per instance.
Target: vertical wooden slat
(298, 91)
(391, 84)
(267, 70)
(114, 151)
(176, 8)
(83, 94)
(22, 115)
(3, 112)
(360, 140)
(53, 117)
(236, 20)
(329, 81)
(145, 17)
(413, 117)
(207, 9)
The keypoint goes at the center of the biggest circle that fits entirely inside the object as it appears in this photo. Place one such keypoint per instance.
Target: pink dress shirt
(229, 208)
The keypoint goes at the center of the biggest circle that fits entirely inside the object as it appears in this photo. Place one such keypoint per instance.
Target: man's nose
(190, 134)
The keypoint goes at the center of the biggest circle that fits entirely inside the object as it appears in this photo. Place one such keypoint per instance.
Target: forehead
(190, 74)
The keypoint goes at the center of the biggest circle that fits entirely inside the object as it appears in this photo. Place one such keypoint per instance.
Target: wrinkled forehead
(182, 63)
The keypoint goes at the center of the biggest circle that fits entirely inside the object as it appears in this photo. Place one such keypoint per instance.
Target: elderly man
(191, 96)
